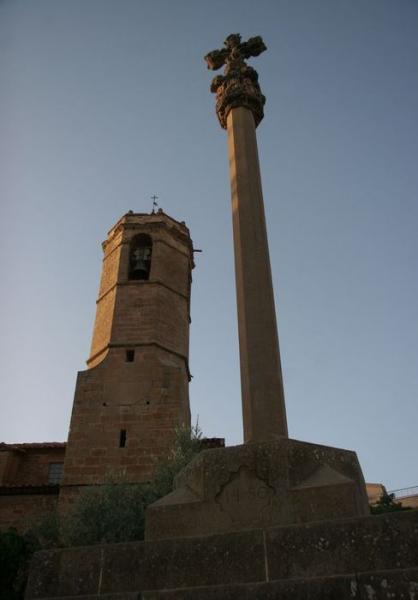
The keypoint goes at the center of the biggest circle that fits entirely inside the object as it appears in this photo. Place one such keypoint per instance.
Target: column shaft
(264, 413)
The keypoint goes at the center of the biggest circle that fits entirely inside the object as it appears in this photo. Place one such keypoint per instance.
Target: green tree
(15, 553)
(115, 511)
(187, 443)
(108, 513)
(386, 503)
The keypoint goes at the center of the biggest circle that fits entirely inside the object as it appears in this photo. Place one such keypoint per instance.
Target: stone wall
(134, 394)
(23, 508)
(147, 399)
(28, 464)
(26, 494)
(344, 559)
(143, 312)
(408, 501)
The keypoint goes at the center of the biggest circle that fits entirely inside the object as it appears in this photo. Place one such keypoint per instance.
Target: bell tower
(134, 392)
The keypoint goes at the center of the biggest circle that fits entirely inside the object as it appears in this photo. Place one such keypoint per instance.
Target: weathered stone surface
(117, 568)
(69, 572)
(339, 558)
(258, 486)
(239, 106)
(343, 546)
(28, 464)
(44, 575)
(26, 492)
(146, 394)
(184, 563)
(238, 86)
(124, 596)
(386, 585)
(399, 584)
(22, 510)
(263, 404)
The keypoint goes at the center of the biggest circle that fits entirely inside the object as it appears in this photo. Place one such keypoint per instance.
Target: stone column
(239, 105)
(263, 405)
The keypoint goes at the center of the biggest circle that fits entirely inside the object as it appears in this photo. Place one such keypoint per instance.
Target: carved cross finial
(234, 51)
(238, 86)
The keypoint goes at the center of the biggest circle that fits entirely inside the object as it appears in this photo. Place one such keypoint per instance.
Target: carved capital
(239, 88)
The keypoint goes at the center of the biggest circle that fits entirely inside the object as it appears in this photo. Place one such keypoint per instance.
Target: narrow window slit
(122, 438)
(130, 355)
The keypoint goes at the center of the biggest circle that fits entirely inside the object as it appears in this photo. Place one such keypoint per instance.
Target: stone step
(397, 584)
(323, 549)
(384, 585)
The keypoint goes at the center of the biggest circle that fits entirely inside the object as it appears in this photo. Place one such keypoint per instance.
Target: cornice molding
(141, 345)
(136, 282)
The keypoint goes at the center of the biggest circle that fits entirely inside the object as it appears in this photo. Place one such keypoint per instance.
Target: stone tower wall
(141, 312)
(125, 411)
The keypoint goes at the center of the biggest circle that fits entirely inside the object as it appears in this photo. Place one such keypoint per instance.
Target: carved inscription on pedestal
(246, 498)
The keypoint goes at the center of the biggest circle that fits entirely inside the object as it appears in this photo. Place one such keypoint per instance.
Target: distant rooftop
(29, 445)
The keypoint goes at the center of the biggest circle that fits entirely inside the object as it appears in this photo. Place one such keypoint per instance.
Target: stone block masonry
(29, 478)
(145, 399)
(363, 558)
(259, 485)
(23, 508)
(134, 393)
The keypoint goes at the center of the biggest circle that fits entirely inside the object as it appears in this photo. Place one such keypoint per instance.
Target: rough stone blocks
(257, 486)
(365, 558)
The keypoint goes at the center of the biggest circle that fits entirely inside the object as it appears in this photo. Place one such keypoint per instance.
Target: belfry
(135, 391)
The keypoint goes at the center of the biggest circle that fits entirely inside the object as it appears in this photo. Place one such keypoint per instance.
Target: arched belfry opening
(140, 257)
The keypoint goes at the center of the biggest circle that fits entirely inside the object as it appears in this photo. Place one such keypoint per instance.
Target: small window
(140, 257)
(55, 473)
(130, 355)
(122, 438)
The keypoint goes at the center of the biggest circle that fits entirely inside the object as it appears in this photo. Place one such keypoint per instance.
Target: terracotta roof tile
(24, 446)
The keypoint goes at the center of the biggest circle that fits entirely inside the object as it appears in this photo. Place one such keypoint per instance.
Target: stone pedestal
(257, 486)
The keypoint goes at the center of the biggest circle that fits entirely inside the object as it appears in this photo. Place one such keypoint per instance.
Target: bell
(140, 263)
(139, 266)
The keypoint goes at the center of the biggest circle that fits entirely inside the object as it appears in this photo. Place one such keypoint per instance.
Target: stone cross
(239, 105)
(238, 86)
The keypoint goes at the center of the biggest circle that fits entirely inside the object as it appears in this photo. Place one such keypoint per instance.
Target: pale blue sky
(106, 102)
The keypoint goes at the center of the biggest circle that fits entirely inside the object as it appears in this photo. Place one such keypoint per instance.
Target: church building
(135, 390)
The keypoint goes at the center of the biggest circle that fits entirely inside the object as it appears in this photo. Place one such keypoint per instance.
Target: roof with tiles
(32, 445)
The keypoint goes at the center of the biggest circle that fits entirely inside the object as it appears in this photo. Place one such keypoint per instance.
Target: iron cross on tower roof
(154, 199)
(238, 86)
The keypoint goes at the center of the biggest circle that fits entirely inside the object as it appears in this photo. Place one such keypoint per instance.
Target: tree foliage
(15, 552)
(188, 443)
(108, 513)
(386, 503)
(115, 511)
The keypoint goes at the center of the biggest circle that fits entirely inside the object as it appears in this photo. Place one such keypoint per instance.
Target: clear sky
(105, 102)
